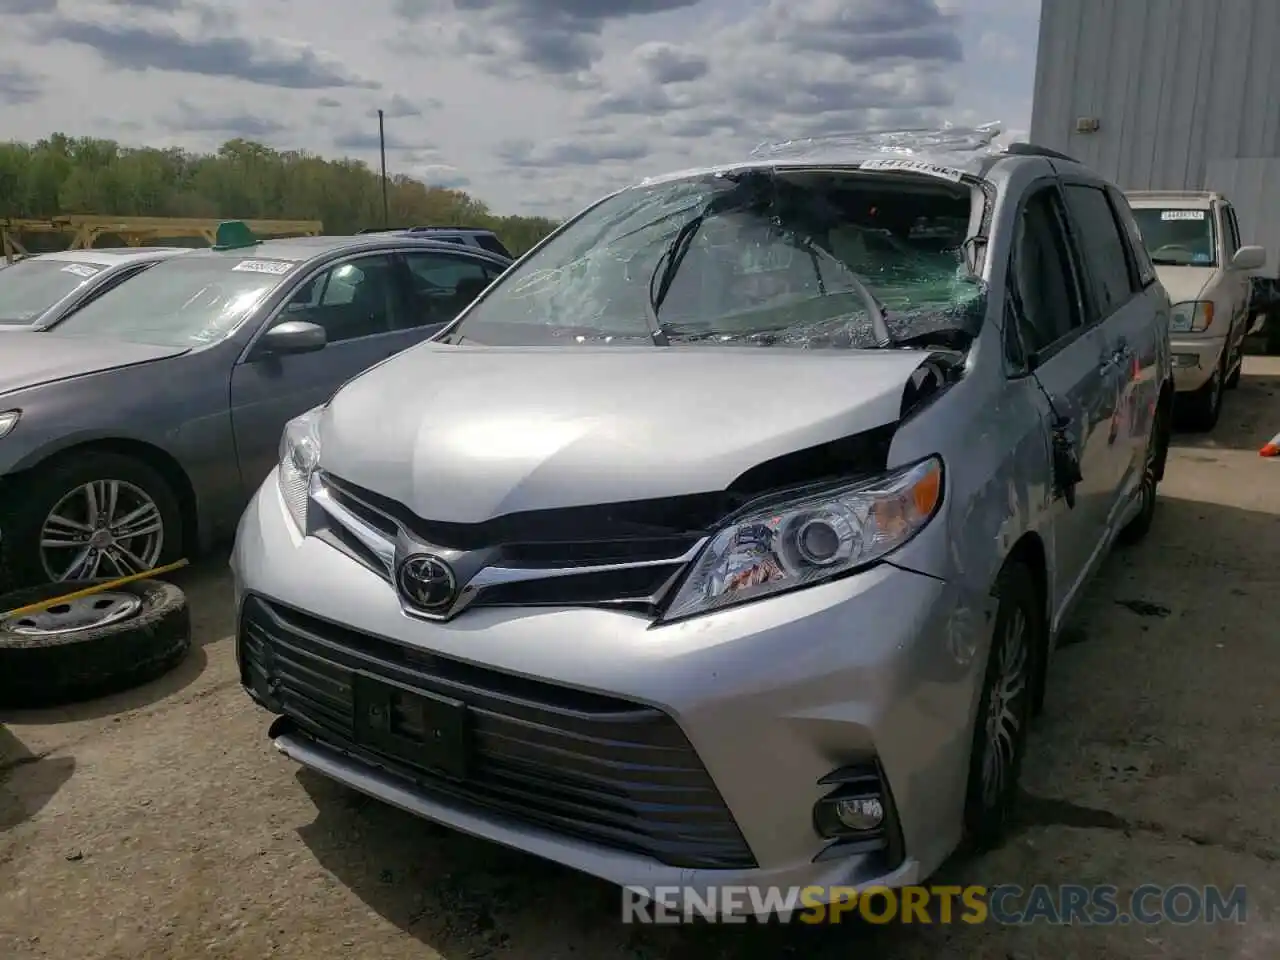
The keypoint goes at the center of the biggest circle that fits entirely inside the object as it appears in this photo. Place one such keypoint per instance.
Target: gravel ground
(160, 823)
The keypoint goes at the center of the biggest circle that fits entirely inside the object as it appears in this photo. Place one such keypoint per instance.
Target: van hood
(1186, 283)
(466, 434)
(31, 358)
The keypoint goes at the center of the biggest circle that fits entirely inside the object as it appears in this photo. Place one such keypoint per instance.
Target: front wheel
(1005, 708)
(97, 514)
(1204, 407)
(1157, 441)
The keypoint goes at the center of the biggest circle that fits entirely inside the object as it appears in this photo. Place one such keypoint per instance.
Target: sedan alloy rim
(101, 528)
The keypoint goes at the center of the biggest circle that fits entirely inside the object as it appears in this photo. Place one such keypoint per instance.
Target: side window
(1103, 247)
(492, 244)
(1230, 231)
(353, 299)
(1045, 290)
(1146, 271)
(441, 285)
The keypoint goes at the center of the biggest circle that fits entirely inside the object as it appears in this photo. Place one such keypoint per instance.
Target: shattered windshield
(757, 256)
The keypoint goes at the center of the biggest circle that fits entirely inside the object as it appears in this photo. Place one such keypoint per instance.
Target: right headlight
(1191, 316)
(299, 458)
(8, 420)
(785, 545)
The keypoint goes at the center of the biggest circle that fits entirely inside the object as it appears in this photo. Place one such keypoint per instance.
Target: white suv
(1194, 241)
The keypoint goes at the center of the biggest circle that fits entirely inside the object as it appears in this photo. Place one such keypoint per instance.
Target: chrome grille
(629, 567)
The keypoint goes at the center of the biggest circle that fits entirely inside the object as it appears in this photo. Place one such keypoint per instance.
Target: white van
(1193, 238)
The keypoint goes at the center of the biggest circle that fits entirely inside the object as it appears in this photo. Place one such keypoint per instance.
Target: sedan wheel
(101, 528)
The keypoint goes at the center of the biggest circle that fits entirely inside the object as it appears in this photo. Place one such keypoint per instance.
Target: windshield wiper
(875, 309)
(664, 274)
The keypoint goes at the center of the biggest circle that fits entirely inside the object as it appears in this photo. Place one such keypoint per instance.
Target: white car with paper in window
(1193, 238)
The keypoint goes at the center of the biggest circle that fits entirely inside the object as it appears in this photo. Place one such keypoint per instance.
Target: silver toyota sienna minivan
(725, 538)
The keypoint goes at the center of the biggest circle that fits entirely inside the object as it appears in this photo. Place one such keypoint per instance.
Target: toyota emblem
(426, 582)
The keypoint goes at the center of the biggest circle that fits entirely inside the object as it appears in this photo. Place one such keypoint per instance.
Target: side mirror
(292, 336)
(1249, 258)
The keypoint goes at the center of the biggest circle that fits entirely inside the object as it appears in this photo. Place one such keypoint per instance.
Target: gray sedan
(134, 431)
(39, 291)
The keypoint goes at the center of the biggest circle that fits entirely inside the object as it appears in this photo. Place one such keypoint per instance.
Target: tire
(59, 485)
(90, 658)
(1272, 332)
(1233, 381)
(1152, 467)
(1204, 407)
(1013, 677)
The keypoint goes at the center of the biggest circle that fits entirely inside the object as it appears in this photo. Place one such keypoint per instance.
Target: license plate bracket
(423, 730)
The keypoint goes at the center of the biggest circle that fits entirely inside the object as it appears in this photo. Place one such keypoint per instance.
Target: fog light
(1186, 359)
(850, 816)
(860, 813)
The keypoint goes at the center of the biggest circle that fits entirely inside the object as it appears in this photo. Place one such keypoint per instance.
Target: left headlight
(786, 545)
(1191, 316)
(8, 420)
(299, 458)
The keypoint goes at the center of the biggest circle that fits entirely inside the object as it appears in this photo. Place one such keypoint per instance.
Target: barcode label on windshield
(1181, 214)
(903, 165)
(277, 268)
(82, 270)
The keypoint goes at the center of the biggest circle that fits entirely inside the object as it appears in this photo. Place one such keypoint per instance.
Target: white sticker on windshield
(904, 165)
(1181, 214)
(277, 268)
(80, 269)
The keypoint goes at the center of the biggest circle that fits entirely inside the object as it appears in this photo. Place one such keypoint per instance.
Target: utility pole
(382, 149)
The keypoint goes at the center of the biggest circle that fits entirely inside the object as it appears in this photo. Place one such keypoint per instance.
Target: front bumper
(881, 668)
(1194, 360)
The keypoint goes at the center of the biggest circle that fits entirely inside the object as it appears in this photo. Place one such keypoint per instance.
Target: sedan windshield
(30, 287)
(189, 301)
(1182, 238)
(801, 259)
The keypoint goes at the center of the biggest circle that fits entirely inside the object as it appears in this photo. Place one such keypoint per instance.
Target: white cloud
(531, 105)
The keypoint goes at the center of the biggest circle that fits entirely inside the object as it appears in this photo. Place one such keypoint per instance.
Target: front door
(359, 304)
(1125, 320)
(1049, 309)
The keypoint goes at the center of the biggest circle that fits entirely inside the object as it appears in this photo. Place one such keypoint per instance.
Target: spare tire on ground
(89, 646)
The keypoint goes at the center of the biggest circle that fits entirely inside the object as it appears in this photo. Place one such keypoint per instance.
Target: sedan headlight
(1192, 316)
(299, 458)
(786, 545)
(8, 420)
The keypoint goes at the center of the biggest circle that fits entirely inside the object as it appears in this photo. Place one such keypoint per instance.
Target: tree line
(242, 180)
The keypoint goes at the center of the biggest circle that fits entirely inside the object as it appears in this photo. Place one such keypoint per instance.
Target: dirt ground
(162, 824)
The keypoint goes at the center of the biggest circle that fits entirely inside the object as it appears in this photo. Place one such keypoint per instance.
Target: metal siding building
(1186, 95)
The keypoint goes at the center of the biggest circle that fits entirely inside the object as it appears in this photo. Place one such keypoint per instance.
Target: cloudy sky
(535, 106)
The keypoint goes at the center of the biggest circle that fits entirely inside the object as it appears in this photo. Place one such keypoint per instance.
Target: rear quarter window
(1133, 237)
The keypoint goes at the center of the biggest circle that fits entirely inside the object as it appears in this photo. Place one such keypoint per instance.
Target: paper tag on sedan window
(1181, 214)
(904, 165)
(80, 269)
(277, 268)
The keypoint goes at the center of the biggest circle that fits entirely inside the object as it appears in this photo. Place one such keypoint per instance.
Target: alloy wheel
(104, 527)
(1006, 708)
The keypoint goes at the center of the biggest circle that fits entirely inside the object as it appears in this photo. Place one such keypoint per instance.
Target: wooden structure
(136, 231)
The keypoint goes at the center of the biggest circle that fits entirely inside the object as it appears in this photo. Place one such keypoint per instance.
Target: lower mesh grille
(609, 771)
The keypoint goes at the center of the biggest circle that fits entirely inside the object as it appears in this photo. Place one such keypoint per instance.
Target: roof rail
(381, 230)
(451, 226)
(1032, 150)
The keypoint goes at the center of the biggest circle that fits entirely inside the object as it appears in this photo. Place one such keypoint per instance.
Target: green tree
(241, 180)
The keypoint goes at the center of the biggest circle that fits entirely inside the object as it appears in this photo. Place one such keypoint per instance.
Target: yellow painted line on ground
(96, 588)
